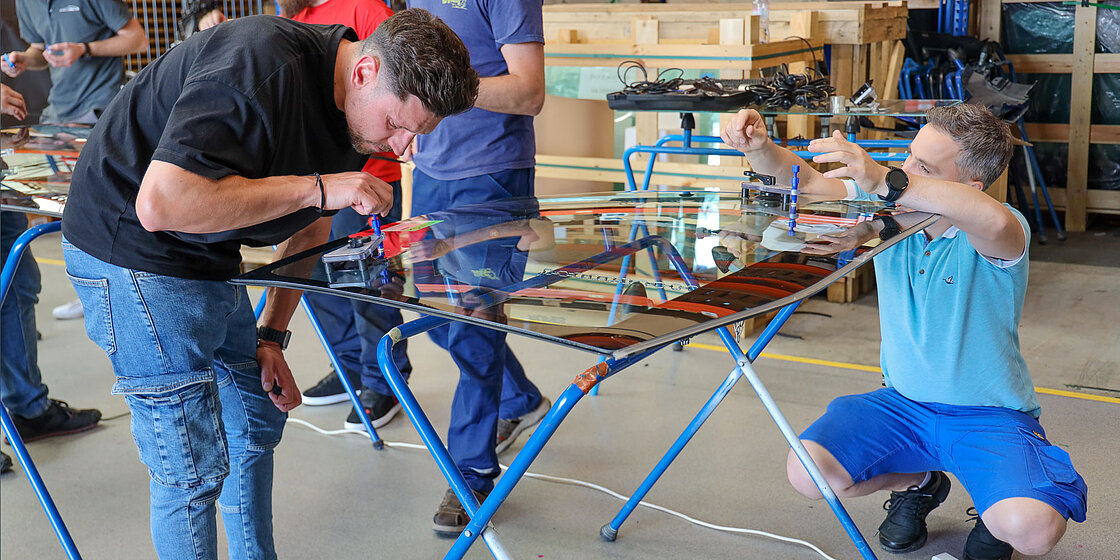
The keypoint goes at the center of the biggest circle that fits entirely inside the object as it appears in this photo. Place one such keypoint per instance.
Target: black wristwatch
(273, 335)
(897, 181)
(88, 53)
(890, 228)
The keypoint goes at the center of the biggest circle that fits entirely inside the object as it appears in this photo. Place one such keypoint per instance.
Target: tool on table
(358, 264)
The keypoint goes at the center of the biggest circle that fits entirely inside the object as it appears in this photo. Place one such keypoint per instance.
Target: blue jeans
(184, 356)
(492, 382)
(21, 382)
(354, 327)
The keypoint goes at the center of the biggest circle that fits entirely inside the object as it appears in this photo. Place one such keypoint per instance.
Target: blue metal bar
(9, 427)
(333, 357)
(610, 531)
(345, 379)
(544, 431)
(18, 248)
(798, 448)
(423, 425)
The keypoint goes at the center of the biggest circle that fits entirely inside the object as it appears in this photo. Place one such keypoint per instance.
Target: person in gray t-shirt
(82, 42)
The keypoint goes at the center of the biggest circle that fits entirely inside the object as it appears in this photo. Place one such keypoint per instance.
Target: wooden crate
(1076, 198)
(842, 23)
(849, 288)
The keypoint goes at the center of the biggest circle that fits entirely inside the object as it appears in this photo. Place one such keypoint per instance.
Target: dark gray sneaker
(329, 390)
(58, 420)
(451, 517)
(379, 407)
(981, 545)
(508, 430)
(904, 529)
(5, 462)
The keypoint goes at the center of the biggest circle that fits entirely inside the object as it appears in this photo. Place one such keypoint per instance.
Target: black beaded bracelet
(322, 193)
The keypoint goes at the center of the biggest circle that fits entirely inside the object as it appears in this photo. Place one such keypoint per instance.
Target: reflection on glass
(602, 271)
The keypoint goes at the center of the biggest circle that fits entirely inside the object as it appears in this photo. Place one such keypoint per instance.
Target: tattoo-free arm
(521, 91)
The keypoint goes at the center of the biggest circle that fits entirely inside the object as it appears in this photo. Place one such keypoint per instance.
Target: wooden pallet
(851, 287)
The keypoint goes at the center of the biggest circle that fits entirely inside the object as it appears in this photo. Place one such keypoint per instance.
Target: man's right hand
(746, 131)
(359, 190)
(14, 63)
(11, 102)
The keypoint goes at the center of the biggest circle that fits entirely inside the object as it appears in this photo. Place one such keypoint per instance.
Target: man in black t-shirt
(246, 133)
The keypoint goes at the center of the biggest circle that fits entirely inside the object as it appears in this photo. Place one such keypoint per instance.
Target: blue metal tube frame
(9, 427)
(610, 530)
(544, 431)
(342, 377)
(424, 426)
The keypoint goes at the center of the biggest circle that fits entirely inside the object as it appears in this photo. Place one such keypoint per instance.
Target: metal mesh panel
(161, 20)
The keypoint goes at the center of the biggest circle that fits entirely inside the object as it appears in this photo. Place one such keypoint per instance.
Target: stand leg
(9, 427)
(351, 391)
(610, 531)
(424, 426)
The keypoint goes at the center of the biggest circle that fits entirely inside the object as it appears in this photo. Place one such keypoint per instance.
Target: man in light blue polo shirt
(958, 394)
(82, 42)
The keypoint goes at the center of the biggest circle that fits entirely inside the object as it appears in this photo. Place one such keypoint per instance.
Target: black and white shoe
(379, 407)
(329, 390)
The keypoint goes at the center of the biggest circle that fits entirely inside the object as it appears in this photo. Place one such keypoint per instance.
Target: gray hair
(984, 140)
(421, 56)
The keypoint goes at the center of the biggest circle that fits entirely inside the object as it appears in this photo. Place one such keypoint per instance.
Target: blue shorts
(995, 452)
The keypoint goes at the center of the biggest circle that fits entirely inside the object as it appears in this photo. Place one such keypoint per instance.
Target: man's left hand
(275, 372)
(62, 55)
(858, 165)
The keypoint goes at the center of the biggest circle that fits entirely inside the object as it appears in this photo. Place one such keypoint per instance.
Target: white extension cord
(574, 482)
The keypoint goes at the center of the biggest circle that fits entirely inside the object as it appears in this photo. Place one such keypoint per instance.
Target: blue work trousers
(492, 382)
(20, 380)
(185, 358)
(354, 327)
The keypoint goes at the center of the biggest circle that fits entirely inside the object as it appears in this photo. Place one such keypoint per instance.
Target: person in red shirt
(352, 327)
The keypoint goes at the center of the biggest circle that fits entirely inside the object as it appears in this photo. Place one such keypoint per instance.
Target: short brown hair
(984, 140)
(420, 55)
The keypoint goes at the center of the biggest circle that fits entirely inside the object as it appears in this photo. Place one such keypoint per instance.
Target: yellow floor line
(57, 262)
(873, 369)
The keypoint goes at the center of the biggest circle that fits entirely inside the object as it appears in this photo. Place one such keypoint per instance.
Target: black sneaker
(58, 420)
(5, 462)
(329, 390)
(508, 430)
(904, 529)
(451, 517)
(981, 545)
(380, 408)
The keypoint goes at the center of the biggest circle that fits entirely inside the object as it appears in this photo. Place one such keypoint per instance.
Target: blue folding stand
(481, 514)
(14, 258)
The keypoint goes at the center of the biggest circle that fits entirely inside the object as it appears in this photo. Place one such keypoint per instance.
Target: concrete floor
(335, 497)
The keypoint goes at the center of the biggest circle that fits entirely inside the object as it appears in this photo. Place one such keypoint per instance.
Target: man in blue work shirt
(958, 394)
(82, 42)
(485, 154)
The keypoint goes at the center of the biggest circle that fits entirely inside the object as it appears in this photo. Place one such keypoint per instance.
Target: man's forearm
(772, 159)
(174, 199)
(509, 94)
(131, 39)
(33, 57)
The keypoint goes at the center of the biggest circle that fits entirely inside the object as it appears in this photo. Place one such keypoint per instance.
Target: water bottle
(762, 10)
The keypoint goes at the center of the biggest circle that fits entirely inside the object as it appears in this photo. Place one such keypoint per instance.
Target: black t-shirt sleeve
(215, 131)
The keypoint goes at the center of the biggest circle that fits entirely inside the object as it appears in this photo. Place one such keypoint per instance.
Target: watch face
(897, 179)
